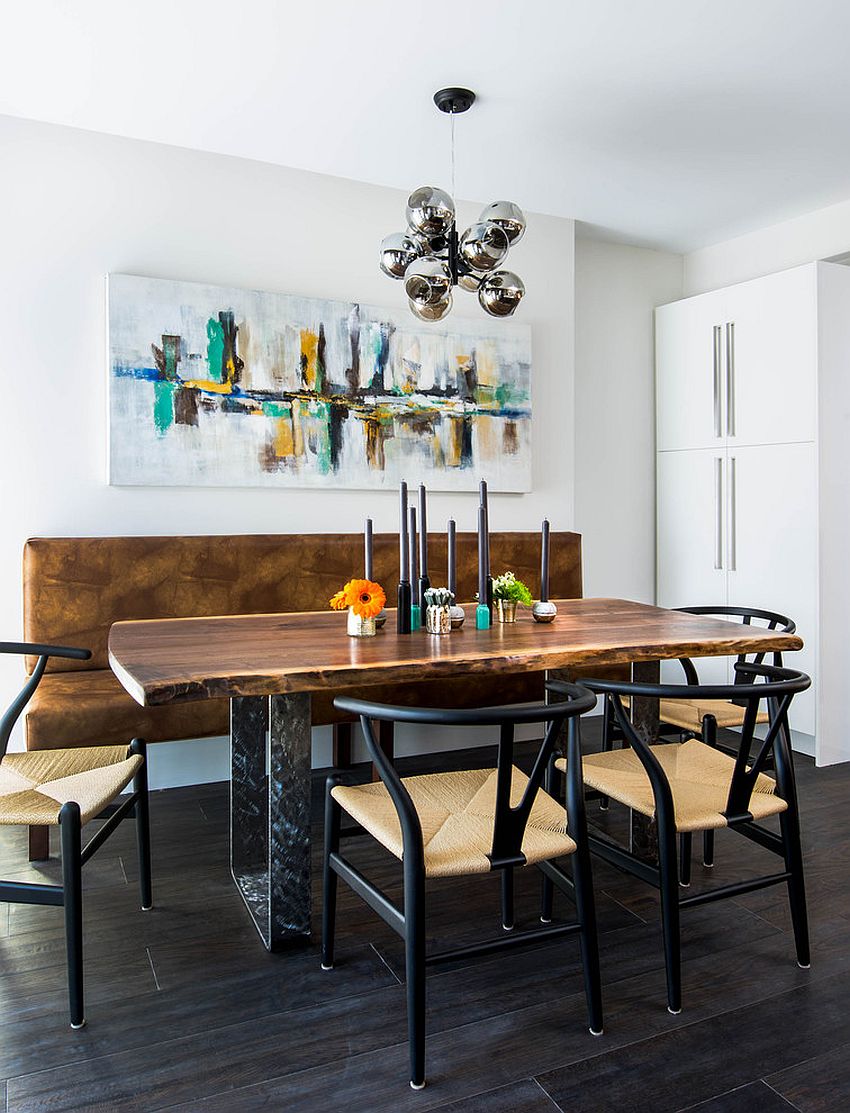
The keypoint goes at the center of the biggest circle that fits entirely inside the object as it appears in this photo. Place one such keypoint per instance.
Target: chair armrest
(43, 652)
(36, 649)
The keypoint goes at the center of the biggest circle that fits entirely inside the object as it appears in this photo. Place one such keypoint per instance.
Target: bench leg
(39, 839)
(342, 745)
(386, 740)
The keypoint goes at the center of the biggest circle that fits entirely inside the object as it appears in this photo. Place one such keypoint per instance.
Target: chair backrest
(754, 683)
(749, 616)
(509, 821)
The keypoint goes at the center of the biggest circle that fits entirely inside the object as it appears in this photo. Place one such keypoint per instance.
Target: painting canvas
(219, 387)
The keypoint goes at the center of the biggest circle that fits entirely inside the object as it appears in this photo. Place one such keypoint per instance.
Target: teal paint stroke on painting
(163, 406)
(215, 350)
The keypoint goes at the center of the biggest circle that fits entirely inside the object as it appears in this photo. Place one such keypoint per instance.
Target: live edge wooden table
(268, 666)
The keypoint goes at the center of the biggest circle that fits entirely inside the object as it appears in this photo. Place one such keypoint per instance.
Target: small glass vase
(360, 627)
(505, 610)
(438, 620)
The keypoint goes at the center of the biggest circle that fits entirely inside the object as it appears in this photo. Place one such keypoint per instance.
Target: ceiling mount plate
(454, 100)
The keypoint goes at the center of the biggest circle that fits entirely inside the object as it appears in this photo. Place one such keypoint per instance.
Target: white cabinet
(691, 567)
(772, 545)
(770, 358)
(737, 366)
(689, 386)
(753, 438)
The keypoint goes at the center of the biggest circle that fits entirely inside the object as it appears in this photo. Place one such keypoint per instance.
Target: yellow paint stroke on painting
(297, 431)
(454, 442)
(283, 441)
(487, 439)
(213, 388)
(487, 363)
(437, 449)
(309, 353)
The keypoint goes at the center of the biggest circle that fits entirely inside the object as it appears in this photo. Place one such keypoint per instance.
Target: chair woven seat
(34, 785)
(456, 811)
(699, 777)
(687, 714)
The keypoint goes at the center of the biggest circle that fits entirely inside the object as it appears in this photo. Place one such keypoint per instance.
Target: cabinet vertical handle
(732, 526)
(718, 512)
(716, 367)
(730, 378)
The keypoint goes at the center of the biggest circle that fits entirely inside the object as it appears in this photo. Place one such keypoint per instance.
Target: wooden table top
(165, 660)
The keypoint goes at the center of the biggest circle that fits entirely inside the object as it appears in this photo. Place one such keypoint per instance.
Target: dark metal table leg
(270, 748)
(644, 712)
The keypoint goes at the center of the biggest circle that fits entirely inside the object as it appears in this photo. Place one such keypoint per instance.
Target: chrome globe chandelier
(431, 259)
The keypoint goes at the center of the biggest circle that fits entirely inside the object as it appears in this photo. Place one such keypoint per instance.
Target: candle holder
(544, 611)
(415, 617)
(482, 617)
(403, 613)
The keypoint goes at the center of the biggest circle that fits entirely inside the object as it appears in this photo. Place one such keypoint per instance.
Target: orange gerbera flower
(339, 602)
(365, 598)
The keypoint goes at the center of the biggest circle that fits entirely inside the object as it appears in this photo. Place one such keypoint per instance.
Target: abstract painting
(218, 387)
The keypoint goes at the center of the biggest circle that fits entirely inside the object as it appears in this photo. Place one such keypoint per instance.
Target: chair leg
(72, 885)
(414, 948)
(607, 740)
(342, 735)
(508, 898)
(669, 877)
(143, 825)
(708, 849)
(790, 829)
(551, 784)
(685, 851)
(39, 843)
(329, 877)
(589, 941)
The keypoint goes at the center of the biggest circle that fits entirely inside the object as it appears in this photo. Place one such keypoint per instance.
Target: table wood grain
(165, 660)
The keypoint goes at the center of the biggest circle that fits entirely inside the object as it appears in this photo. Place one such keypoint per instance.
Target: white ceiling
(674, 123)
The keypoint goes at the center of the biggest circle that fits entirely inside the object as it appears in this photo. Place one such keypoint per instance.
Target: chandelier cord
(452, 117)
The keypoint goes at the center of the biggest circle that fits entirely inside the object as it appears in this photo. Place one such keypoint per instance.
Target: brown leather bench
(76, 587)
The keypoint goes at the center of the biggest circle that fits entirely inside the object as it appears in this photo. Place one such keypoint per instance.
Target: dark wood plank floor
(187, 1010)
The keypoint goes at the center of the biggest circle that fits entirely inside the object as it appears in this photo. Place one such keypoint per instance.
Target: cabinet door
(769, 359)
(692, 541)
(771, 547)
(689, 373)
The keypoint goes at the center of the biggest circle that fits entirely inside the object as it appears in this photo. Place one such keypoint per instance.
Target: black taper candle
(423, 532)
(367, 555)
(403, 557)
(403, 612)
(424, 580)
(489, 578)
(452, 558)
(413, 568)
(482, 556)
(544, 562)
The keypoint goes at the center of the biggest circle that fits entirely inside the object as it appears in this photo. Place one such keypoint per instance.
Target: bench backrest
(76, 587)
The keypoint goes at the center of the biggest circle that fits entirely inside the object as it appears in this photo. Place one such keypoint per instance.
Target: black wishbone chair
(693, 786)
(685, 717)
(67, 788)
(455, 824)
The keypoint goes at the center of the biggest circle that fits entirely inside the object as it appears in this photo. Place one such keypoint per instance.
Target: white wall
(816, 235)
(617, 288)
(77, 205)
